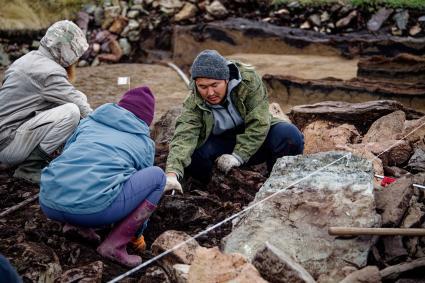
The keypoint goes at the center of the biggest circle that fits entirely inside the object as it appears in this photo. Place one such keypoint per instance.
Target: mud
(35, 244)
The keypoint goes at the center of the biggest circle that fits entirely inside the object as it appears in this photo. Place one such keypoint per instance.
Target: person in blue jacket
(106, 175)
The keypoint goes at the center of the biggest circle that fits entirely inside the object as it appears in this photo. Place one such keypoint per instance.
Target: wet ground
(35, 244)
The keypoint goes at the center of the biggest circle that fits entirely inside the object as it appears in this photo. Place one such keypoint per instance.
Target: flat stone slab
(296, 220)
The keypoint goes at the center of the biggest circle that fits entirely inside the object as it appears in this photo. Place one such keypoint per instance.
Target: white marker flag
(123, 80)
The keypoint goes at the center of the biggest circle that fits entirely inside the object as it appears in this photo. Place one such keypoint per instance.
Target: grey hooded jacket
(38, 80)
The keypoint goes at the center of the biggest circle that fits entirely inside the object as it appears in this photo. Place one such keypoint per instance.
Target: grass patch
(36, 14)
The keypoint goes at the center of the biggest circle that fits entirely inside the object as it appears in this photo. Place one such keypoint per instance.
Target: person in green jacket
(226, 119)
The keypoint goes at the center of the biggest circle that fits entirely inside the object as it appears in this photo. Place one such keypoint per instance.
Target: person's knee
(71, 114)
(290, 140)
(159, 177)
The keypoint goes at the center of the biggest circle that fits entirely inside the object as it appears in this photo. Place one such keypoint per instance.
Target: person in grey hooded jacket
(39, 107)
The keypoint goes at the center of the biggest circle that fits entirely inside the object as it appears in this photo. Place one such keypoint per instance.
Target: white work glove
(227, 162)
(173, 184)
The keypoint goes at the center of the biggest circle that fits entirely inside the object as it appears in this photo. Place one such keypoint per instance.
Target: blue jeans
(283, 139)
(146, 184)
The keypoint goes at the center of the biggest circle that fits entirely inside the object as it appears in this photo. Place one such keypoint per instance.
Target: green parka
(196, 122)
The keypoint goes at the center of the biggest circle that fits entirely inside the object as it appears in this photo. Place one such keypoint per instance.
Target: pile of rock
(129, 28)
(286, 237)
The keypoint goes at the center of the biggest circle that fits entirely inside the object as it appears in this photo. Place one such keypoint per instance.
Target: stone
(364, 152)
(415, 214)
(169, 239)
(133, 36)
(124, 8)
(344, 22)
(87, 273)
(163, 129)
(133, 25)
(276, 111)
(388, 127)
(83, 63)
(217, 10)
(181, 272)
(362, 115)
(188, 11)
(417, 161)
(305, 25)
(394, 171)
(394, 249)
(375, 23)
(125, 46)
(336, 275)
(369, 274)
(401, 19)
(98, 16)
(296, 219)
(276, 266)
(170, 5)
(112, 11)
(326, 135)
(414, 30)
(210, 265)
(315, 20)
(393, 201)
(118, 25)
(154, 274)
(324, 17)
(391, 152)
(132, 14)
(414, 132)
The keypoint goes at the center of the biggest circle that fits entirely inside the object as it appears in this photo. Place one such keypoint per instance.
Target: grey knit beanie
(210, 64)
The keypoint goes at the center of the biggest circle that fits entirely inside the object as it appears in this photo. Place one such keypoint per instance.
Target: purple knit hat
(141, 102)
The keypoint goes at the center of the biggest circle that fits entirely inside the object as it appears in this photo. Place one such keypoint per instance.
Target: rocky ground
(129, 30)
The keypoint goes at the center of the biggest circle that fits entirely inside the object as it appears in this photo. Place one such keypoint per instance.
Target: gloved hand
(173, 184)
(227, 162)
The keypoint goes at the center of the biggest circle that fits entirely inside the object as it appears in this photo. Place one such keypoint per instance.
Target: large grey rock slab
(315, 192)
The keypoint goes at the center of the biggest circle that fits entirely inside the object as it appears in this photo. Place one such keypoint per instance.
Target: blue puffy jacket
(109, 146)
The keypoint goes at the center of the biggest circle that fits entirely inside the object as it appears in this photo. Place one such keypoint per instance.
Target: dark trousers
(7, 272)
(283, 139)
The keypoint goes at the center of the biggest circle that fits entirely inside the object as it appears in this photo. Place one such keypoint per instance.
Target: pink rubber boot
(114, 246)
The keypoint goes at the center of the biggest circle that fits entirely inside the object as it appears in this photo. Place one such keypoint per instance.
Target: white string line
(348, 156)
(221, 223)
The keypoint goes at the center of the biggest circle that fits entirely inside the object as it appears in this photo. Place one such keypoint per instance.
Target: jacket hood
(119, 118)
(65, 41)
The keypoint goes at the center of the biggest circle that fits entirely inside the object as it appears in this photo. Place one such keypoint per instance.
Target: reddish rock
(210, 265)
(393, 201)
(388, 127)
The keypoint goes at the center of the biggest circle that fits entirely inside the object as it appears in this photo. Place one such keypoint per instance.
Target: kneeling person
(39, 106)
(106, 175)
(226, 118)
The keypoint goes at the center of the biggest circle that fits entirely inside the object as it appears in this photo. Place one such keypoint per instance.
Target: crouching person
(106, 175)
(226, 120)
(39, 107)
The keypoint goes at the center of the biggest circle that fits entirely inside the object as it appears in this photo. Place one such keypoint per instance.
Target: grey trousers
(48, 129)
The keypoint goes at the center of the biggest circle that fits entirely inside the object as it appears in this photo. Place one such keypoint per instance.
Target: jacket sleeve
(257, 118)
(58, 89)
(185, 139)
